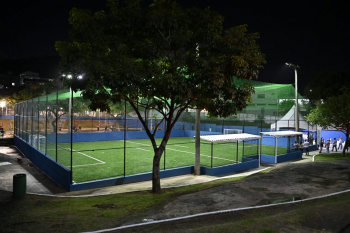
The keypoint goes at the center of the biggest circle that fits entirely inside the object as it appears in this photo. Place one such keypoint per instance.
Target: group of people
(303, 145)
(334, 144)
(328, 144)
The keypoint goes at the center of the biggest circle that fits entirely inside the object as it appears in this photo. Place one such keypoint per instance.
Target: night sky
(313, 34)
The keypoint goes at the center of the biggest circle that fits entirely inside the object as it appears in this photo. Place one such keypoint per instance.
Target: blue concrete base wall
(267, 158)
(313, 148)
(130, 179)
(167, 173)
(250, 158)
(217, 171)
(55, 171)
(192, 133)
(281, 158)
(107, 136)
(289, 156)
(282, 141)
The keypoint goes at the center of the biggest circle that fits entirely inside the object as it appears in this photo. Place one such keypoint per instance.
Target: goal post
(38, 141)
(232, 131)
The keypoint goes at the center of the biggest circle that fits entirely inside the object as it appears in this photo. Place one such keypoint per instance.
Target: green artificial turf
(105, 159)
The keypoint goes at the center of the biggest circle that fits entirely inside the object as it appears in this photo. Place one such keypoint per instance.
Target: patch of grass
(52, 214)
(267, 170)
(43, 214)
(332, 156)
(322, 215)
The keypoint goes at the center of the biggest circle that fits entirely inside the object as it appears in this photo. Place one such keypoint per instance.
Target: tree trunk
(156, 171)
(346, 143)
(53, 126)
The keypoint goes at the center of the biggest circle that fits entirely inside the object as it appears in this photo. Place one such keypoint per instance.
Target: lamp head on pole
(2, 104)
(296, 67)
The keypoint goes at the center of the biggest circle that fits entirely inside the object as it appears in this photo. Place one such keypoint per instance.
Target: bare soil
(284, 182)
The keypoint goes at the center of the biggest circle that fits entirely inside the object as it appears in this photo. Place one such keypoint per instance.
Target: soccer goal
(232, 131)
(37, 141)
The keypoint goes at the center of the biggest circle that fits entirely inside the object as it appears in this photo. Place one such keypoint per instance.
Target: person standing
(321, 145)
(334, 145)
(328, 144)
(301, 148)
(296, 145)
(306, 146)
(340, 143)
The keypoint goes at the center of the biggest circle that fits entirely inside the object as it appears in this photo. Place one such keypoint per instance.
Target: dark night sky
(313, 34)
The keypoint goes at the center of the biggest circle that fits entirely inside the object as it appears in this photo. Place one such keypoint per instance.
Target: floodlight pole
(3, 104)
(296, 114)
(197, 166)
(197, 156)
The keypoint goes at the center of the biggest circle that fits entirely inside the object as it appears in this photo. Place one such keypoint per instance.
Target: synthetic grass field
(104, 159)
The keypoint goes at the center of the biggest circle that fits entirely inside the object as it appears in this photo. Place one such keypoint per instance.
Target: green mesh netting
(269, 98)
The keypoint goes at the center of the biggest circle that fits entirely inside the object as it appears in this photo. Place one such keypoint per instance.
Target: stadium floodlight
(70, 76)
(296, 114)
(292, 65)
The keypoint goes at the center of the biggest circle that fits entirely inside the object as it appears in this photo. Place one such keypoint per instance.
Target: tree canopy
(160, 56)
(333, 112)
(327, 84)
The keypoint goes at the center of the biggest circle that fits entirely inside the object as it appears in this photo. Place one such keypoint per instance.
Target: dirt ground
(283, 182)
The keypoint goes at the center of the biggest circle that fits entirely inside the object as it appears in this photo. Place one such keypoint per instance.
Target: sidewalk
(12, 162)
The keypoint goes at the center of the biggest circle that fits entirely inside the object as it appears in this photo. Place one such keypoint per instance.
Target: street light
(296, 114)
(2, 105)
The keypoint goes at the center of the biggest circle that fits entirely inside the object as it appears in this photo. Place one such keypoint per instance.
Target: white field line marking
(142, 149)
(99, 161)
(140, 143)
(180, 146)
(187, 152)
(85, 165)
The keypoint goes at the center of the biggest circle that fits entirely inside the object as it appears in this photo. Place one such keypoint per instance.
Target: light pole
(296, 114)
(2, 104)
(71, 76)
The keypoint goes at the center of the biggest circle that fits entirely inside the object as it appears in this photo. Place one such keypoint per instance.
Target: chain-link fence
(96, 145)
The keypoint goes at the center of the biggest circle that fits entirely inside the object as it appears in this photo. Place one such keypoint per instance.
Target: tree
(326, 84)
(285, 105)
(160, 57)
(35, 90)
(332, 112)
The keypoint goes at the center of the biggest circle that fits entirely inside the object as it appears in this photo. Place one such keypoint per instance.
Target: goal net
(232, 131)
(37, 141)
